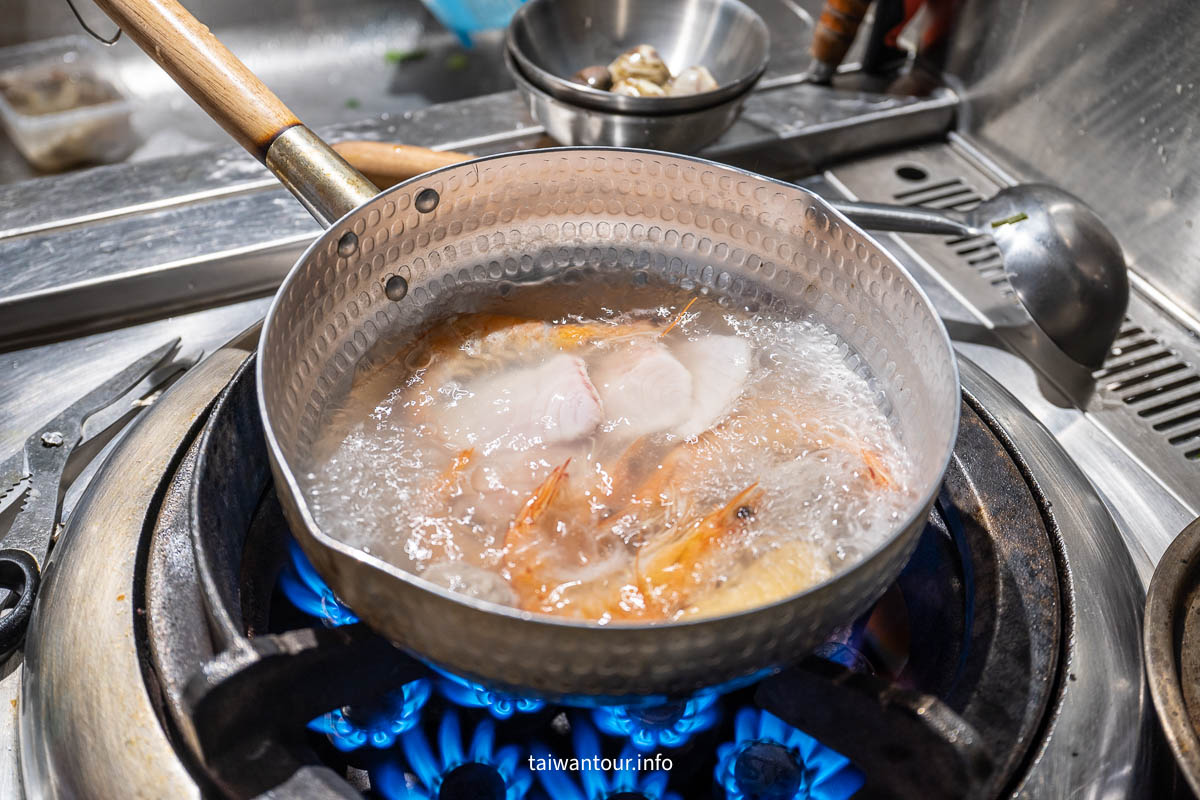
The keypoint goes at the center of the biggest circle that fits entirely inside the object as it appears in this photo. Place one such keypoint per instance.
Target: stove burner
(378, 724)
(600, 778)
(770, 760)
(348, 728)
(668, 726)
(309, 593)
(473, 781)
(945, 707)
(480, 773)
(398, 711)
(464, 692)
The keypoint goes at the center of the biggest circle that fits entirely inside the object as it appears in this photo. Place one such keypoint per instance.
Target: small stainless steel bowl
(551, 40)
(683, 132)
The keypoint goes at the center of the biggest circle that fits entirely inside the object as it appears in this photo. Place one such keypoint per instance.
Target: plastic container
(63, 105)
(465, 17)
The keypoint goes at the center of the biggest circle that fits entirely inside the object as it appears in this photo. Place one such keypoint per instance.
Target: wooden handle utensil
(387, 164)
(835, 32)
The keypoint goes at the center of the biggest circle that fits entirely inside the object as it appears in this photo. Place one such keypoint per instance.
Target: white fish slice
(548, 404)
(719, 366)
(643, 388)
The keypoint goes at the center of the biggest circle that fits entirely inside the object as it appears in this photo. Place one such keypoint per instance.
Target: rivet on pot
(348, 244)
(427, 200)
(395, 288)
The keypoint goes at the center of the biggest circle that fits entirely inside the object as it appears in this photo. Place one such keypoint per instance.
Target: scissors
(33, 476)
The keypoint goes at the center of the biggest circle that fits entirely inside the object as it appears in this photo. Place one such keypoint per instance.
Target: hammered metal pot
(449, 242)
(457, 237)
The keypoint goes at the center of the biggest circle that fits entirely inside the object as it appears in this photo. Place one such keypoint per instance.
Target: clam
(692, 80)
(597, 77)
(638, 87)
(642, 62)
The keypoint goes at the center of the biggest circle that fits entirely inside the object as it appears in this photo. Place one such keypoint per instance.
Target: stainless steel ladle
(1064, 265)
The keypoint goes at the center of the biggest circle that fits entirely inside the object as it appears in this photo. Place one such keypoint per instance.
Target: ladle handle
(242, 104)
(387, 164)
(905, 219)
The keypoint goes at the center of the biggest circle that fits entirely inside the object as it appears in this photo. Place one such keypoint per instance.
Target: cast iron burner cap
(767, 771)
(473, 781)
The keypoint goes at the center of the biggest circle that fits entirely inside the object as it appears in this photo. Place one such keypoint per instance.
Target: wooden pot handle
(387, 164)
(206, 69)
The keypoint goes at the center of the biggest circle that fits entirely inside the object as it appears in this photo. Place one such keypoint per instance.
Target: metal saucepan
(391, 264)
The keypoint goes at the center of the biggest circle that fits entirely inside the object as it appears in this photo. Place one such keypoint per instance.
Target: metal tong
(34, 476)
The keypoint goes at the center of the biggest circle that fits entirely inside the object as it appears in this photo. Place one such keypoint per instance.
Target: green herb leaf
(404, 56)
(352, 102)
(1010, 220)
(457, 61)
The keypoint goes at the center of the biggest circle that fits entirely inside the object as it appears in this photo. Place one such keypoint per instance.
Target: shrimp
(526, 557)
(436, 534)
(676, 568)
(790, 431)
(665, 576)
(448, 481)
(520, 530)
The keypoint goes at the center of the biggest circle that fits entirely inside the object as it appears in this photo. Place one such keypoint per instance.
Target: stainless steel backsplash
(32, 20)
(1103, 98)
(1098, 96)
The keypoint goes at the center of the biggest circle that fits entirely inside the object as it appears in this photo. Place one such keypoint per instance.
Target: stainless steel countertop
(119, 243)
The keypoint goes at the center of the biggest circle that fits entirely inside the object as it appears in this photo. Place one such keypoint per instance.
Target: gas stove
(237, 672)
(183, 647)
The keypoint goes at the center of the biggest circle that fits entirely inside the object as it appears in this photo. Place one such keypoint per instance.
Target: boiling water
(644, 464)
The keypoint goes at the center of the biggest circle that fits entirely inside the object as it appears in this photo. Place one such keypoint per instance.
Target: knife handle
(835, 32)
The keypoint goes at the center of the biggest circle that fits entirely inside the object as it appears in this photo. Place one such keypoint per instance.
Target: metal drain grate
(1162, 388)
(1147, 376)
(978, 252)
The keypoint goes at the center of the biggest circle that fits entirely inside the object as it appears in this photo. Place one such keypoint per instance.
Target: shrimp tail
(449, 477)
(525, 560)
(535, 506)
(876, 470)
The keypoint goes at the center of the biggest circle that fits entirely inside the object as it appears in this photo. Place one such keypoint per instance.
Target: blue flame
(467, 693)
(824, 774)
(400, 712)
(309, 593)
(594, 782)
(428, 770)
(401, 709)
(663, 726)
